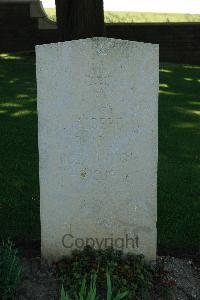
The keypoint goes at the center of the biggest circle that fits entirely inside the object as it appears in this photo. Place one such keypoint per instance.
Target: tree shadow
(179, 158)
(19, 185)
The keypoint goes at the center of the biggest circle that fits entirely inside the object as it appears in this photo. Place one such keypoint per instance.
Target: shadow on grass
(19, 186)
(179, 158)
(179, 154)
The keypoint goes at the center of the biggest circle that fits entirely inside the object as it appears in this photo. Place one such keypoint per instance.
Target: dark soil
(39, 281)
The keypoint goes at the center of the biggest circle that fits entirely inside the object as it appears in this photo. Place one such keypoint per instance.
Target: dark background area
(179, 42)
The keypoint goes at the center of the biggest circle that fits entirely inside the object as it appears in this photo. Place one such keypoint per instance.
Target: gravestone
(98, 123)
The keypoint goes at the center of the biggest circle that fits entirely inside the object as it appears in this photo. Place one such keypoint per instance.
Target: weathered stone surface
(97, 106)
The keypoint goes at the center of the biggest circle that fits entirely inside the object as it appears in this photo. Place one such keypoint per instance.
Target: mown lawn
(139, 17)
(179, 153)
(19, 186)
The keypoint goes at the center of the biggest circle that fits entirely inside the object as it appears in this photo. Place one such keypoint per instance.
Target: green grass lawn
(19, 186)
(139, 17)
(179, 153)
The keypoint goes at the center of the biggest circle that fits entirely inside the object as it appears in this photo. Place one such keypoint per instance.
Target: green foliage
(10, 270)
(84, 293)
(64, 295)
(110, 292)
(129, 272)
(91, 293)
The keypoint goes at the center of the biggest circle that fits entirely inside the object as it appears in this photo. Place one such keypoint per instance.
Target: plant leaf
(121, 295)
(109, 286)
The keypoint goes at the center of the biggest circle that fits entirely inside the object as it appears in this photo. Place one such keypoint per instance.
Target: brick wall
(178, 42)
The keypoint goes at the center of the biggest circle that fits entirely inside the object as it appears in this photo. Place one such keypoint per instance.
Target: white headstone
(98, 123)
